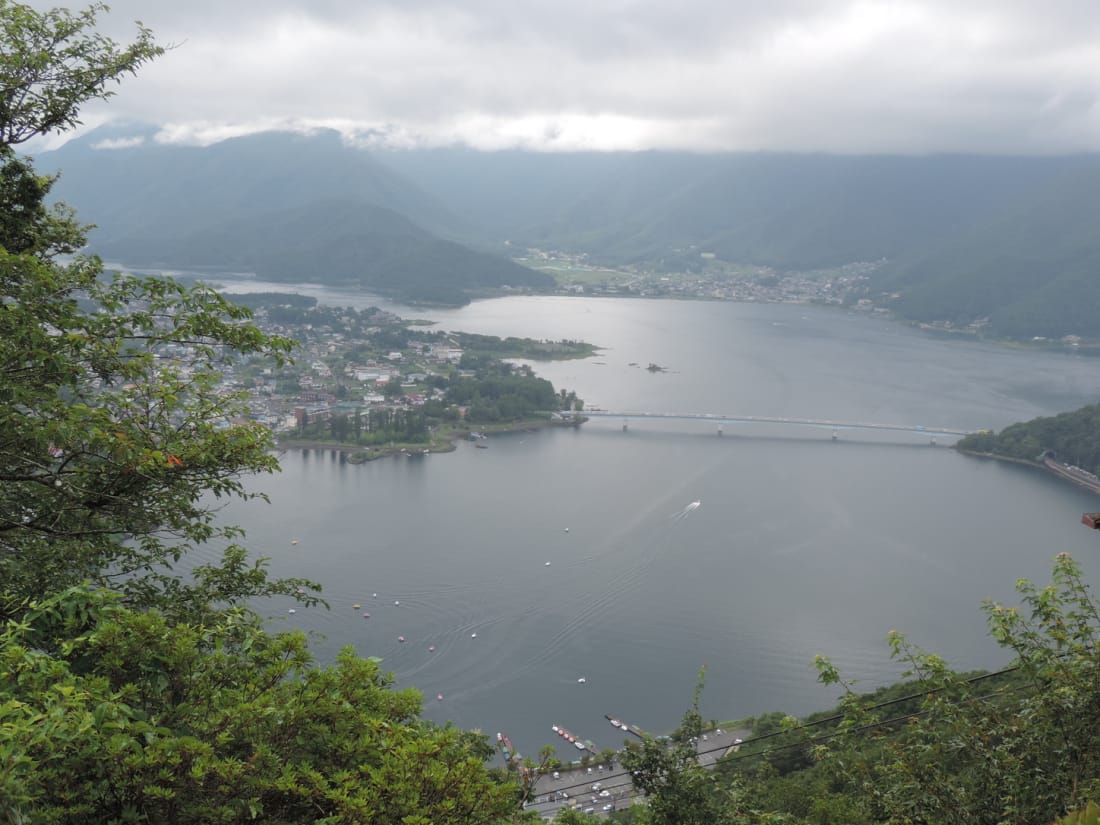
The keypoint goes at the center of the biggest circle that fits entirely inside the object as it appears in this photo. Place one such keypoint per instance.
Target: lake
(573, 554)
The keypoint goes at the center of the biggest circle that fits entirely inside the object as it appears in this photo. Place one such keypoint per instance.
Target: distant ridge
(160, 188)
(285, 206)
(341, 242)
(957, 238)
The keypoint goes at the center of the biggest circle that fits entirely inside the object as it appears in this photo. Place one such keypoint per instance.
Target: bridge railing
(723, 418)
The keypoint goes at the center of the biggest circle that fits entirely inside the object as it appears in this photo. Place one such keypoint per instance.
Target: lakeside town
(376, 383)
(708, 278)
(369, 378)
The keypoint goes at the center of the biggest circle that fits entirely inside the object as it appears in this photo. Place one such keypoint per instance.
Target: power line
(869, 726)
(817, 722)
(838, 716)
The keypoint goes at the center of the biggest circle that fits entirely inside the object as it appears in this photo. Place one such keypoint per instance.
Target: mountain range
(957, 238)
(280, 205)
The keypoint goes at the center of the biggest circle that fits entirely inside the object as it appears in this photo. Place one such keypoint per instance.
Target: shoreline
(1047, 466)
(445, 441)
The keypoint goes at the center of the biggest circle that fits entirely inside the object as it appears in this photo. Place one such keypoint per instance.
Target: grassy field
(568, 275)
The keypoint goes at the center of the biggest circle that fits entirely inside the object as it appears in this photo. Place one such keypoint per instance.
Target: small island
(371, 384)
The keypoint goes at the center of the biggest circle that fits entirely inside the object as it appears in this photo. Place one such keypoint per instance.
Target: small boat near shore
(623, 726)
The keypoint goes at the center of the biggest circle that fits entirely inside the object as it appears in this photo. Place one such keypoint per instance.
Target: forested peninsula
(1070, 438)
(369, 383)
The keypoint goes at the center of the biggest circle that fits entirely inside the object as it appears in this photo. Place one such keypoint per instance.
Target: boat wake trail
(687, 511)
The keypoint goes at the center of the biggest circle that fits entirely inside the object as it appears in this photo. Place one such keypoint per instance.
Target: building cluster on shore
(710, 279)
(347, 361)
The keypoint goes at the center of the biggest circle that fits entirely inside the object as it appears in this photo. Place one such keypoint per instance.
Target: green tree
(110, 454)
(55, 61)
(339, 425)
(679, 791)
(392, 389)
(112, 715)
(973, 754)
(163, 700)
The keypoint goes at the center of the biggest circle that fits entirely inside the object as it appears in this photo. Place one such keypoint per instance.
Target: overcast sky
(911, 76)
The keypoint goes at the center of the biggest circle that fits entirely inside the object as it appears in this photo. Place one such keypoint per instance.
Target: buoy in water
(431, 648)
(397, 603)
(374, 595)
(355, 606)
(473, 635)
(439, 696)
(400, 638)
(547, 564)
(292, 610)
(567, 529)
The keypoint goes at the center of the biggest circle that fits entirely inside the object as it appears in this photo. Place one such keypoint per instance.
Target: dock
(576, 741)
(624, 727)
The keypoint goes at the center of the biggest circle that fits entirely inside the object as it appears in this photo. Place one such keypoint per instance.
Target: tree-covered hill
(287, 207)
(1073, 437)
(1014, 747)
(956, 238)
(336, 242)
(142, 186)
(783, 210)
(1032, 266)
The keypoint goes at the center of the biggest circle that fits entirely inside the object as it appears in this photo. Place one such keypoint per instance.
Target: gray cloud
(802, 75)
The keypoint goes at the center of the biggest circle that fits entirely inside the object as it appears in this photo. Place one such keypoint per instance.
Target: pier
(624, 727)
(576, 741)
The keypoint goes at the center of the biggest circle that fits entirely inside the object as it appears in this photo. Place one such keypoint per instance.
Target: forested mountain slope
(1073, 437)
(287, 207)
(956, 238)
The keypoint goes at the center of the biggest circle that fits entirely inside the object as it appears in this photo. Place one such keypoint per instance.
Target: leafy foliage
(679, 790)
(501, 393)
(162, 699)
(1089, 815)
(115, 715)
(975, 755)
(115, 435)
(54, 61)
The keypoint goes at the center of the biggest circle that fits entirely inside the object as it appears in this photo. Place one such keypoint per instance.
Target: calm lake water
(570, 554)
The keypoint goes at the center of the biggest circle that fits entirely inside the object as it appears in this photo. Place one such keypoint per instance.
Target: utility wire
(869, 726)
(817, 722)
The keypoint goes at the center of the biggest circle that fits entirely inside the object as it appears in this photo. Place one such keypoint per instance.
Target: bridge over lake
(825, 423)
